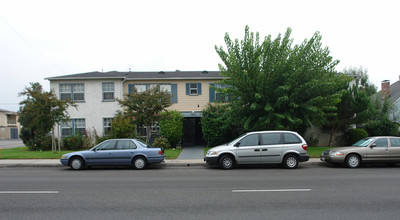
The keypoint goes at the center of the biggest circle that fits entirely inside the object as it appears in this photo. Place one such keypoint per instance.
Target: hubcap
(76, 164)
(353, 161)
(227, 162)
(291, 162)
(139, 163)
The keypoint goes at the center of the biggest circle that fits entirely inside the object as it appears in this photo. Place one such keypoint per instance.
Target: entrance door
(14, 133)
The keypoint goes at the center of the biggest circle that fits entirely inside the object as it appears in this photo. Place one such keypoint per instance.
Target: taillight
(160, 152)
(305, 147)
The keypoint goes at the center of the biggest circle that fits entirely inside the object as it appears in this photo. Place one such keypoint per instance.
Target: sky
(47, 38)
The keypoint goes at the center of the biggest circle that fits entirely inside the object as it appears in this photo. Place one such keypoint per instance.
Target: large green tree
(145, 107)
(355, 105)
(274, 85)
(39, 112)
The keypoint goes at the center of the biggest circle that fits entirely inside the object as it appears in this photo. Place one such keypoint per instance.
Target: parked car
(371, 149)
(264, 147)
(115, 152)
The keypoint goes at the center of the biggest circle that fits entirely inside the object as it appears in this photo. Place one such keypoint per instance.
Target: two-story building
(9, 126)
(95, 94)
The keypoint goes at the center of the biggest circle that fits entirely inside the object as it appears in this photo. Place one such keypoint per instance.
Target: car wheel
(353, 161)
(76, 163)
(226, 162)
(290, 161)
(139, 163)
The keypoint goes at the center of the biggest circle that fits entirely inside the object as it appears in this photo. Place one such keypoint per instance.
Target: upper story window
(108, 91)
(171, 88)
(216, 96)
(73, 91)
(193, 88)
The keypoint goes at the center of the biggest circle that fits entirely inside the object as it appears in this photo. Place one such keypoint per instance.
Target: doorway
(192, 132)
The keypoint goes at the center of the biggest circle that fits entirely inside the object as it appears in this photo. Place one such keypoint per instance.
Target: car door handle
(264, 149)
(256, 149)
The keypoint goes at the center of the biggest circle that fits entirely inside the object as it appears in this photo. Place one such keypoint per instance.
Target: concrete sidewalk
(166, 163)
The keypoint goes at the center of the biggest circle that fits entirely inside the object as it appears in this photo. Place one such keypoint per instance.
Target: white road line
(28, 192)
(272, 190)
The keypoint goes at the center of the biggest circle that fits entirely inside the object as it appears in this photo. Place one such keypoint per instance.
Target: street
(261, 192)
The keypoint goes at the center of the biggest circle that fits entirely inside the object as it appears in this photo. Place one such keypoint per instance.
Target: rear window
(291, 139)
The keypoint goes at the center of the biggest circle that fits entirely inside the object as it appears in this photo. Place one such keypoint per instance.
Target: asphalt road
(267, 192)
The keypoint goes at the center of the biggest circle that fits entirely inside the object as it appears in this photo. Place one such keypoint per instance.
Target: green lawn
(24, 153)
(314, 152)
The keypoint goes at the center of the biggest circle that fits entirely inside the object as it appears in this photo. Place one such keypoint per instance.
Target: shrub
(161, 142)
(74, 142)
(353, 135)
(39, 143)
(171, 126)
(382, 128)
(311, 140)
(219, 125)
(122, 126)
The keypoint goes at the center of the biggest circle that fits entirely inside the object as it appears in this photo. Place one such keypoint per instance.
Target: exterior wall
(93, 109)
(323, 137)
(8, 121)
(186, 103)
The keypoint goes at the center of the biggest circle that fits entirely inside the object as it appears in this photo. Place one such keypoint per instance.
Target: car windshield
(363, 142)
(236, 139)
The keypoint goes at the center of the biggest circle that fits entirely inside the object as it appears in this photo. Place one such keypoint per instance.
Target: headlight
(211, 153)
(336, 153)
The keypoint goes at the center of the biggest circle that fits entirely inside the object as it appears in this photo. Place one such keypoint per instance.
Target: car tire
(353, 161)
(290, 161)
(139, 163)
(77, 163)
(226, 162)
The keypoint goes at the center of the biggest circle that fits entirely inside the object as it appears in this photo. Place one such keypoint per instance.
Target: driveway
(11, 143)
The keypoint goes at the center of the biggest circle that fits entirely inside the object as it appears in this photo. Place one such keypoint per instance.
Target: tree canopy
(145, 107)
(274, 85)
(38, 114)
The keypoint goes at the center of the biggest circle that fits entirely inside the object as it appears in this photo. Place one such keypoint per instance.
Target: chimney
(385, 88)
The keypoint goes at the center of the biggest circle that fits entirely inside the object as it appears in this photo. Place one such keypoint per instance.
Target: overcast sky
(40, 39)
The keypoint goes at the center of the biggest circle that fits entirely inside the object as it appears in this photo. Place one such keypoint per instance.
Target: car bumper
(156, 159)
(64, 162)
(303, 158)
(211, 160)
(332, 159)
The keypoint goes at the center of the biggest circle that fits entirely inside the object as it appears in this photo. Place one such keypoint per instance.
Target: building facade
(9, 126)
(96, 94)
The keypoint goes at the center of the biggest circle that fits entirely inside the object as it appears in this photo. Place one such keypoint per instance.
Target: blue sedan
(115, 152)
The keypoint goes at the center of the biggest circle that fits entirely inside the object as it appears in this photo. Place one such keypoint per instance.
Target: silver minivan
(262, 147)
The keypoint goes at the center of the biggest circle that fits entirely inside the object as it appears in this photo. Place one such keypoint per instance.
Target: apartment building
(9, 126)
(95, 94)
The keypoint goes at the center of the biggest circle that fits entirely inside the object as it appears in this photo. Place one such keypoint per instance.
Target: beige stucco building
(9, 126)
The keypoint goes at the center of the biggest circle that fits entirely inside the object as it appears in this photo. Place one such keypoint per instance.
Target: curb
(166, 163)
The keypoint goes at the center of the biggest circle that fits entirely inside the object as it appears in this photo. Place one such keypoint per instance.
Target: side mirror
(94, 149)
(237, 144)
(372, 145)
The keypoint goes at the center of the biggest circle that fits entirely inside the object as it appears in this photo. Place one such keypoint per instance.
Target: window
(270, 139)
(193, 88)
(73, 127)
(126, 145)
(74, 92)
(107, 145)
(107, 125)
(251, 140)
(382, 142)
(291, 139)
(108, 91)
(171, 88)
(216, 96)
(395, 142)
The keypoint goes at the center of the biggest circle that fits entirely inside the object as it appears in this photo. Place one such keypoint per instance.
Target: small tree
(122, 126)
(39, 112)
(146, 106)
(171, 126)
